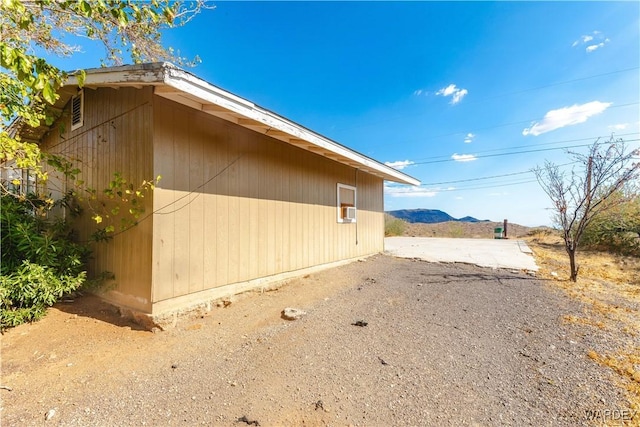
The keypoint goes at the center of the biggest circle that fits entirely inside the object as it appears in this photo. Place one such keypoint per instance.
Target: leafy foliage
(127, 199)
(393, 226)
(616, 230)
(40, 261)
(27, 292)
(126, 29)
(128, 208)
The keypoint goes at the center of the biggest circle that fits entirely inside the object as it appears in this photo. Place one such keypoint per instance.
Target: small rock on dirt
(290, 313)
(244, 419)
(50, 413)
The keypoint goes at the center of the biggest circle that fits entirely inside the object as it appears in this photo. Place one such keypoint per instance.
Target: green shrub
(26, 293)
(40, 260)
(616, 230)
(393, 226)
(455, 230)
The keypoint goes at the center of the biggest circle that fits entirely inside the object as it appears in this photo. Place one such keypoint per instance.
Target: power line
(512, 153)
(503, 154)
(486, 177)
(490, 186)
(520, 122)
(427, 185)
(561, 83)
(590, 138)
(506, 94)
(157, 211)
(454, 189)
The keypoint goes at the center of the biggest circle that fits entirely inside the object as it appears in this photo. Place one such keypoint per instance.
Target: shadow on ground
(88, 305)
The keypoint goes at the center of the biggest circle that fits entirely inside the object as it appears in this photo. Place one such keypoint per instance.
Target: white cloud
(469, 138)
(593, 47)
(463, 157)
(619, 126)
(400, 164)
(567, 116)
(454, 92)
(596, 37)
(414, 191)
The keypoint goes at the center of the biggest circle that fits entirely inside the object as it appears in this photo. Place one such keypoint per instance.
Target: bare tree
(584, 193)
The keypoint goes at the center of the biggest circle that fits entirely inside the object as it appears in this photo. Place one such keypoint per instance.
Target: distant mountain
(471, 219)
(429, 216)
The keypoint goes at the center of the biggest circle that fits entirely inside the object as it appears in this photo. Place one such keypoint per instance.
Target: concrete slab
(493, 253)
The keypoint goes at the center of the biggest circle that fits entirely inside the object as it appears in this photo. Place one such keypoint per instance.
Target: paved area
(493, 253)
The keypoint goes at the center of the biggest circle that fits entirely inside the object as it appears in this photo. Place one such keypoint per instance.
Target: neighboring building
(246, 196)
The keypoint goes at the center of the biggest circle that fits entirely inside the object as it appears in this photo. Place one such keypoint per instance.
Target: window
(77, 111)
(20, 181)
(346, 204)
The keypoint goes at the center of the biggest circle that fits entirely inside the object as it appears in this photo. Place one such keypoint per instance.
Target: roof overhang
(185, 88)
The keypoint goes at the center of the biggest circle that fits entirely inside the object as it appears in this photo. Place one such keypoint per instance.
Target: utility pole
(589, 171)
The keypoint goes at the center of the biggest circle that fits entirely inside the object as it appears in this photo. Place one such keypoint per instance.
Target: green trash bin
(497, 233)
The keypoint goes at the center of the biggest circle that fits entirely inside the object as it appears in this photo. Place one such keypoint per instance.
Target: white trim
(192, 85)
(340, 217)
(183, 87)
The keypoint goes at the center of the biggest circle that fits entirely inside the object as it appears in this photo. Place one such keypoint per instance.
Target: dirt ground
(444, 344)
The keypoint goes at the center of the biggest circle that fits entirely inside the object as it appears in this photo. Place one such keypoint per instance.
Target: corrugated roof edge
(165, 73)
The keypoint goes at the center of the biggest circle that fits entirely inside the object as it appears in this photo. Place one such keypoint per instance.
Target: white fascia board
(167, 74)
(190, 84)
(121, 76)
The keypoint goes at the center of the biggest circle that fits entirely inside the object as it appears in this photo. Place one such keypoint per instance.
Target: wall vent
(77, 111)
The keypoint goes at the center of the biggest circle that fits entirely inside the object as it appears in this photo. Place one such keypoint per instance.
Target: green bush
(40, 261)
(616, 230)
(393, 226)
(26, 293)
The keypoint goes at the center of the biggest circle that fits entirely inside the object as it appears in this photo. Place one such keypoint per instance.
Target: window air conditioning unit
(350, 214)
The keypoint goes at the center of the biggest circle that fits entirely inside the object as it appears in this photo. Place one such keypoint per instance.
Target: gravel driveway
(444, 344)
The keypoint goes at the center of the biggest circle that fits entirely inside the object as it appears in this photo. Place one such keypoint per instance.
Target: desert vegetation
(609, 289)
(393, 226)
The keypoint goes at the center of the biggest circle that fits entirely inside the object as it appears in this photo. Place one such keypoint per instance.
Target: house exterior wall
(234, 205)
(116, 137)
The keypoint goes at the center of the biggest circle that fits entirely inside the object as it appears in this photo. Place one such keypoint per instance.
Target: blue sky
(447, 91)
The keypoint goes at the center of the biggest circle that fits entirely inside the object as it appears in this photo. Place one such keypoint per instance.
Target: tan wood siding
(234, 205)
(116, 137)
